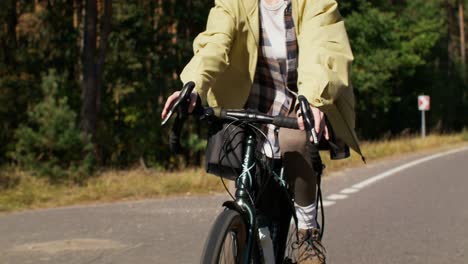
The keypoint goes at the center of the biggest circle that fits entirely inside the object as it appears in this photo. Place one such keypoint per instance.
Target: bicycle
(250, 229)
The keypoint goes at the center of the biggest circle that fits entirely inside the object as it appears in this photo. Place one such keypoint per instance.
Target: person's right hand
(173, 98)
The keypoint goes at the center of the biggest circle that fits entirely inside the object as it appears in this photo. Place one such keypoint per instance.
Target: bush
(51, 145)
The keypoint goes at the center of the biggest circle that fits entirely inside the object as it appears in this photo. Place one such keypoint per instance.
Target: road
(410, 210)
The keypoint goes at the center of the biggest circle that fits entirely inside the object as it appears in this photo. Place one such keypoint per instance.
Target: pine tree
(51, 144)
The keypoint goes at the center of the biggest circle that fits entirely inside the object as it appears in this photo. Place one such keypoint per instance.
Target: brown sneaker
(310, 248)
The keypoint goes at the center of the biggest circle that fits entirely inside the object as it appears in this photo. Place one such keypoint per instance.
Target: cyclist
(261, 54)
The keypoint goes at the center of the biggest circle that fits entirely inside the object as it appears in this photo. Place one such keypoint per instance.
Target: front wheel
(226, 242)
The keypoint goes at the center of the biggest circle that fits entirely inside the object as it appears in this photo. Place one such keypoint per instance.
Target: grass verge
(19, 190)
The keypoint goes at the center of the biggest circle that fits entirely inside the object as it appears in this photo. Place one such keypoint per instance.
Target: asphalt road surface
(410, 210)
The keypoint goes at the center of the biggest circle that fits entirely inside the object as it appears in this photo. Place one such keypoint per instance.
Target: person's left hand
(320, 127)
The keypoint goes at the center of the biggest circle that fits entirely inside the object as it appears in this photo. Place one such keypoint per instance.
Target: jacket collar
(251, 9)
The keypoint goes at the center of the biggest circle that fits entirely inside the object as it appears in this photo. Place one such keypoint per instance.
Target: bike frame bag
(224, 150)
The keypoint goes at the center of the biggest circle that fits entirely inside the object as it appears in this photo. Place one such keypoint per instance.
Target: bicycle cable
(225, 150)
(226, 143)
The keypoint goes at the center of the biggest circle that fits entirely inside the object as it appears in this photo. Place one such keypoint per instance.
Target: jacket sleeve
(325, 54)
(211, 49)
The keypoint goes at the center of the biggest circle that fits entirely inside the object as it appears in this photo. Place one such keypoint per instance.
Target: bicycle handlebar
(182, 103)
(181, 106)
(254, 116)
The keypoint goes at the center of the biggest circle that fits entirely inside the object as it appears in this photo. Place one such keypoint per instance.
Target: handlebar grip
(310, 131)
(315, 157)
(174, 136)
(181, 106)
(287, 122)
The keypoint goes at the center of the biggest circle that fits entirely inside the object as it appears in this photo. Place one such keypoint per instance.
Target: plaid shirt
(274, 89)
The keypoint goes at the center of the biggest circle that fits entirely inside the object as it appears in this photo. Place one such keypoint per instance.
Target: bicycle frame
(244, 203)
(244, 183)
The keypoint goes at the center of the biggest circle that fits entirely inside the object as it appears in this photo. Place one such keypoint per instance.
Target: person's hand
(320, 127)
(173, 98)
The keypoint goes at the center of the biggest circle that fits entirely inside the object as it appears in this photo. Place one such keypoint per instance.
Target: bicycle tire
(226, 242)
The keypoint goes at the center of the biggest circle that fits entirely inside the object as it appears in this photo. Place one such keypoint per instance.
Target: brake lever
(308, 118)
(183, 101)
(181, 106)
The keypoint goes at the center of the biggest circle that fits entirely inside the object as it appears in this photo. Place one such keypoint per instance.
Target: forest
(83, 82)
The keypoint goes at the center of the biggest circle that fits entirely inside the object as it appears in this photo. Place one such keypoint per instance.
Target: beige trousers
(298, 169)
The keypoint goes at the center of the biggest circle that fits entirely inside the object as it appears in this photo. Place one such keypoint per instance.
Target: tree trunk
(105, 30)
(450, 33)
(461, 19)
(36, 5)
(89, 90)
(11, 45)
(78, 16)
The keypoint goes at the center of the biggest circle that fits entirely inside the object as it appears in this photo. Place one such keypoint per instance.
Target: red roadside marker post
(424, 104)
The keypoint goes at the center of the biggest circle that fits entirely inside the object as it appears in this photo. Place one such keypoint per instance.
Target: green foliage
(400, 50)
(389, 47)
(145, 55)
(51, 144)
(16, 93)
(42, 39)
(195, 143)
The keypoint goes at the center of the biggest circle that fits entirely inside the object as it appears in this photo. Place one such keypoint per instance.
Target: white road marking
(337, 197)
(393, 171)
(328, 203)
(349, 190)
(358, 186)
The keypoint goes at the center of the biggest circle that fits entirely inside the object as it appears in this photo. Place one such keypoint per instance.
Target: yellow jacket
(225, 59)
